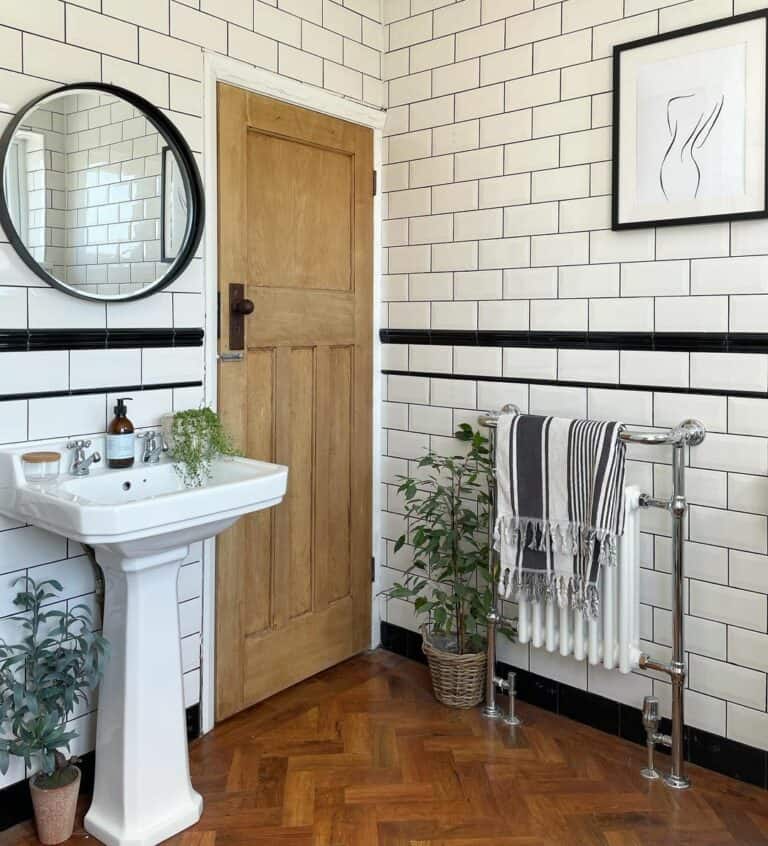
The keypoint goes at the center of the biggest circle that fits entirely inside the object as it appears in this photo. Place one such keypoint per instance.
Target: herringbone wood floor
(362, 755)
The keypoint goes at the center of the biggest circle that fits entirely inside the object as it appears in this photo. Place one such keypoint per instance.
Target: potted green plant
(196, 438)
(43, 679)
(448, 509)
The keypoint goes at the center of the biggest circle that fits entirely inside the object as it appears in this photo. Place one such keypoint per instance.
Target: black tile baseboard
(723, 342)
(26, 340)
(737, 760)
(193, 722)
(15, 801)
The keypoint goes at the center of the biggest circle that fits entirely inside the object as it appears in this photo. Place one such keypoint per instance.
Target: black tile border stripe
(28, 340)
(15, 801)
(725, 756)
(567, 383)
(110, 389)
(722, 342)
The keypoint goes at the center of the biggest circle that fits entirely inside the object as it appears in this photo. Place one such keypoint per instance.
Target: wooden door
(296, 228)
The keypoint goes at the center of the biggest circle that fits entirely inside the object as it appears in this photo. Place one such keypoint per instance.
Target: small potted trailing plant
(196, 438)
(43, 680)
(448, 509)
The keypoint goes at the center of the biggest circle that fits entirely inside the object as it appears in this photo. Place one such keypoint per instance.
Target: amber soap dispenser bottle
(121, 438)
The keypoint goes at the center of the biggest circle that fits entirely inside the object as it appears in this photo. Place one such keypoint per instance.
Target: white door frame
(217, 69)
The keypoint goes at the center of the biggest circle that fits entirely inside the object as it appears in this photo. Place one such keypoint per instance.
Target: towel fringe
(566, 538)
(568, 590)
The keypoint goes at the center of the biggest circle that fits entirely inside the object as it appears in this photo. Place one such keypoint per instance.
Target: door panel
(333, 485)
(302, 233)
(296, 228)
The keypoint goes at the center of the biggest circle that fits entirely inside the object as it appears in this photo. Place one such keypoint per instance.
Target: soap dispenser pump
(121, 438)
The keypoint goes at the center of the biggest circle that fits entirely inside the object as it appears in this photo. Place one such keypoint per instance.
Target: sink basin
(140, 523)
(145, 508)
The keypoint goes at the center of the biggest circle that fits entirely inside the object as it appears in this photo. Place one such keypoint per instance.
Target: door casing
(217, 69)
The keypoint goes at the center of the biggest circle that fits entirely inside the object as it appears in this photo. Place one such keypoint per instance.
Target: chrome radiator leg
(511, 719)
(491, 709)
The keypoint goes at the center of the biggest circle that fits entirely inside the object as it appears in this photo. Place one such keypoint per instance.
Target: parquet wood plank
(362, 755)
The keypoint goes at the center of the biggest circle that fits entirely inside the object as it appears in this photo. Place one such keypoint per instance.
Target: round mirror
(101, 196)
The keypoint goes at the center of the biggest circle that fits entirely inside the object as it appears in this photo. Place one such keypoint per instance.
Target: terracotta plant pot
(55, 809)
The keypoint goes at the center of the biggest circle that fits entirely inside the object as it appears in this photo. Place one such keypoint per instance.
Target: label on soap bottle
(120, 446)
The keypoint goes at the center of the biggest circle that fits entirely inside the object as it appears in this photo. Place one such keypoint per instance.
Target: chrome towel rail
(689, 433)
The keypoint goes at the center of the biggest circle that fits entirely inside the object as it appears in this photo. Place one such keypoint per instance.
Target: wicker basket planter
(457, 680)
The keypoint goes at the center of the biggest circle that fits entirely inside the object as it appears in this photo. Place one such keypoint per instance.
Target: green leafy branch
(45, 677)
(448, 509)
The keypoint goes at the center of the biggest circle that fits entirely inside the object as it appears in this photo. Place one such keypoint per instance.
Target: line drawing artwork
(690, 142)
(690, 121)
(689, 128)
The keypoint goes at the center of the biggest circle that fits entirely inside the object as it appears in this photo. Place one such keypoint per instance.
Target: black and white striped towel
(560, 506)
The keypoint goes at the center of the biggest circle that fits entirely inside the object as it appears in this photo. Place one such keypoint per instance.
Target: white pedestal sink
(141, 522)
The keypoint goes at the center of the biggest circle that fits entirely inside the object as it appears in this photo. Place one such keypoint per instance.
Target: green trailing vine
(198, 439)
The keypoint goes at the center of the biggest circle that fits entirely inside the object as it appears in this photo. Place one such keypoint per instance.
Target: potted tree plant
(196, 438)
(43, 679)
(448, 509)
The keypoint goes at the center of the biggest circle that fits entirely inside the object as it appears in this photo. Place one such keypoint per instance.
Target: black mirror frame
(189, 170)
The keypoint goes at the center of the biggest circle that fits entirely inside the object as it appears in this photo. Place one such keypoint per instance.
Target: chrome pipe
(648, 663)
(647, 501)
(678, 506)
(690, 432)
(490, 709)
(509, 685)
(490, 420)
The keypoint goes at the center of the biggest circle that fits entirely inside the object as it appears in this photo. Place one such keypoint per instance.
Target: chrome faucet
(81, 464)
(154, 445)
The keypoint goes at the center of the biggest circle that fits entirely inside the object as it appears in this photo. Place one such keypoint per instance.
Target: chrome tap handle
(154, 444)
(78, 443)
(651, 716)
(651, 719)
(80, 463)
(79, 447)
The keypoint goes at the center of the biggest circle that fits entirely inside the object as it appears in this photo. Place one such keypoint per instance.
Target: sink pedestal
(142, 793)
(140, 521)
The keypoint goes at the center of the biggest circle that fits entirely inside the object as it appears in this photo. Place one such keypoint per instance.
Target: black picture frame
(175, 141)
(618, 51)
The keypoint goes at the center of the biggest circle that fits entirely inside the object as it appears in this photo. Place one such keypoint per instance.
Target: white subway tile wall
(153, 47)
(501, 163)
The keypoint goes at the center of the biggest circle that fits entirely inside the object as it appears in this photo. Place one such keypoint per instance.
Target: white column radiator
(613, 637)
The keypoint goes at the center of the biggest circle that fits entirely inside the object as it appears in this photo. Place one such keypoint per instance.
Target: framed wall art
(689, 125)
